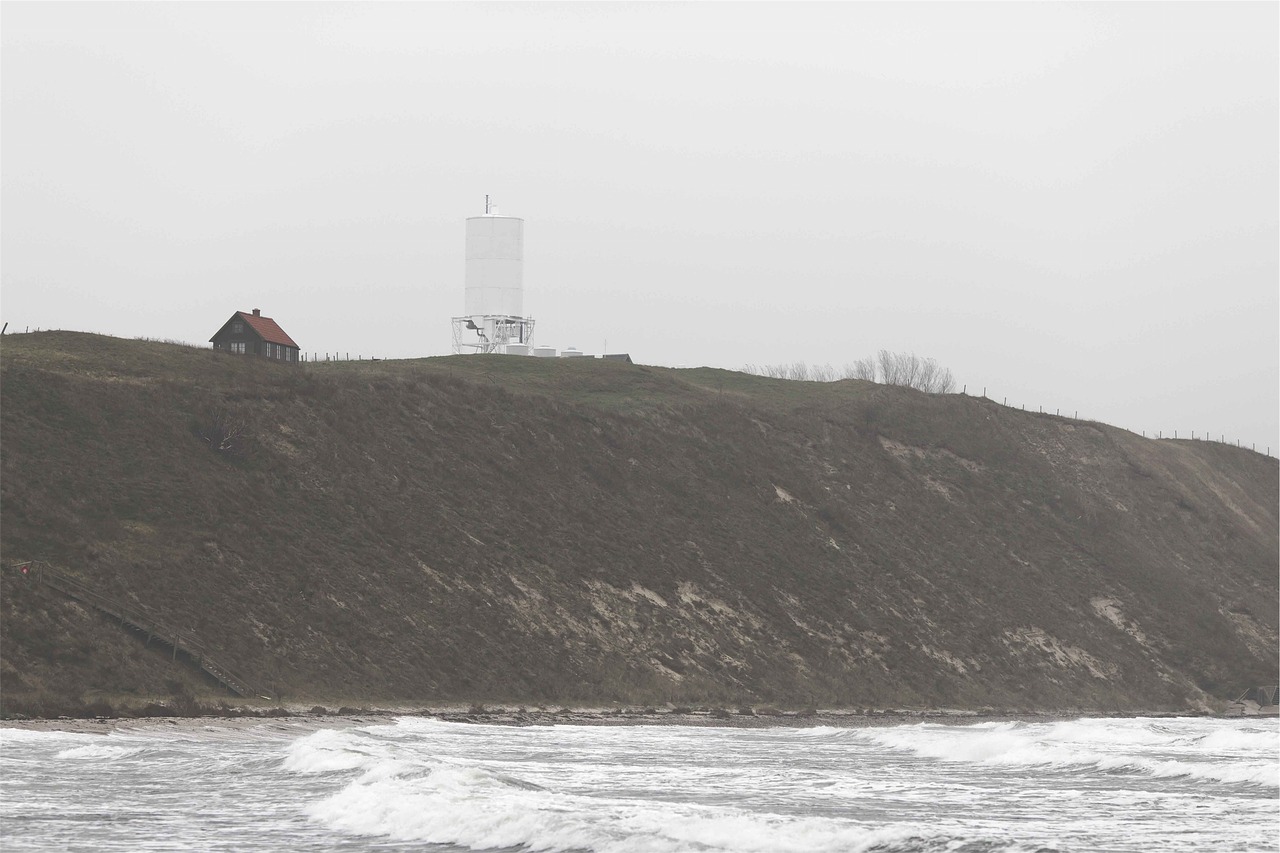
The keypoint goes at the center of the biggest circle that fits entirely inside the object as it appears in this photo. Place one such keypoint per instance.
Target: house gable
(253, 334)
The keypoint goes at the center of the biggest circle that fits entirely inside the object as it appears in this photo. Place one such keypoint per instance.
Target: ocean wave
(480, 809)
(33, 736)
(333, 751)
(1137, 746)
(1260, 773)
(1243, 739)
(100, 751)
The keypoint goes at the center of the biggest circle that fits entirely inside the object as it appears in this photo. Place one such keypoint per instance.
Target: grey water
(419, 784)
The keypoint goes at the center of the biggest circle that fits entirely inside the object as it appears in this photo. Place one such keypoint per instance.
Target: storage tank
(571, 353)
(517, 349)
(544, 352)
(495, 266)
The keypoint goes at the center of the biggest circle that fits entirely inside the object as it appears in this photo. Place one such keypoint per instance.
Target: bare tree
(903, 368)
(863, 368)
(934, 378)
(823, 373)
(890, 368)
(910, 369)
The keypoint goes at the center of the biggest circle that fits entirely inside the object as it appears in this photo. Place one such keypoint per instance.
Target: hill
(554, 531)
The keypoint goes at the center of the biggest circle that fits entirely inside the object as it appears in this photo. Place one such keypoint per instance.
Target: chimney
(257, 312)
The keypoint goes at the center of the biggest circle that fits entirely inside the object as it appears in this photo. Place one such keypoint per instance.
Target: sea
(420, 784)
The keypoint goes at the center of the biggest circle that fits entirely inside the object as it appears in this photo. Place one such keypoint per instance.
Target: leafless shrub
(170, 341)
(798, 371)
(772, 371)
(888, 368)
(225, 432)
(935, 379)
(863, 368)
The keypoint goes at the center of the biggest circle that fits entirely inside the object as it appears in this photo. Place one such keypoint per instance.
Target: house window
(237, 346)
(237, 328)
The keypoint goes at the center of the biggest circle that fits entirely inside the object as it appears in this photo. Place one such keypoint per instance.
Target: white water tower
(494, 320)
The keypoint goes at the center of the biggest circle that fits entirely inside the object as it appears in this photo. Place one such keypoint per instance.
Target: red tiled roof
(267, 329)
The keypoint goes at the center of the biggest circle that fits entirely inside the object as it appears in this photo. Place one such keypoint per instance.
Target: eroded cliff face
(547, 531)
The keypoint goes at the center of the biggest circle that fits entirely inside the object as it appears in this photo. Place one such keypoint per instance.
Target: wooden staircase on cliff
(137, 619)
(1257, 701)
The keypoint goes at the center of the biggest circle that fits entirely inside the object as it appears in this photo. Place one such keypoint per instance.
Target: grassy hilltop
(551, 531)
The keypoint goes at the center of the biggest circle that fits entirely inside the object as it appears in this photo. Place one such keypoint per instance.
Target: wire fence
(1175, 435)
(802, 371)
(331, 357)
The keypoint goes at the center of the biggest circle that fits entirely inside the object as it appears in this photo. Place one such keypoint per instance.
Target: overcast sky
(1075, 206)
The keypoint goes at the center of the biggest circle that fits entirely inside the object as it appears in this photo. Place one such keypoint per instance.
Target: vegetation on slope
(557, 531)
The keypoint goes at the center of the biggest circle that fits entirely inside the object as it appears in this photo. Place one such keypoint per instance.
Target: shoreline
(305, 719)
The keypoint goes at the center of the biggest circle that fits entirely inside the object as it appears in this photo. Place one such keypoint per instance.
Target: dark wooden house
(253, 334)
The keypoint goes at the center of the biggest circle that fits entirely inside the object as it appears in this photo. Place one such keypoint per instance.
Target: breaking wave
(483, 810)
(1137, 746)
(400, 792)
(1119, 786)
(100, 751)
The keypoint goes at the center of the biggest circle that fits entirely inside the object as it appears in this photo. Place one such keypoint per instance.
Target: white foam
(32, 736)
(99, 751)
(1264, 772)
(1141, 746)
(477, 808)
(1243, 739)
(331, 751)
(1122, 785)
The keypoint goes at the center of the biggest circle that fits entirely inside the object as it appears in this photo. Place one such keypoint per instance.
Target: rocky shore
(317, 718)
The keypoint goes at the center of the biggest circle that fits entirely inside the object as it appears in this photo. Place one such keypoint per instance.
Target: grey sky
(1074, 206)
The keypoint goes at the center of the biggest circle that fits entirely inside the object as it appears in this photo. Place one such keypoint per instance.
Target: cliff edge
(549, 531)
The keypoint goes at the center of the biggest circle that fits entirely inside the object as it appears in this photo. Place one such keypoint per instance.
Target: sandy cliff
(556, 531)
